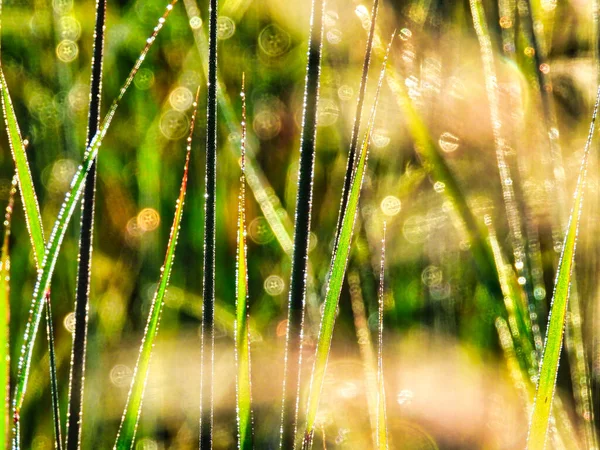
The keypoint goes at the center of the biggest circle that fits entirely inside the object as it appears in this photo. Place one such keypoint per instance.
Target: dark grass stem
(84, 269)
(208, 280)
(297, 290)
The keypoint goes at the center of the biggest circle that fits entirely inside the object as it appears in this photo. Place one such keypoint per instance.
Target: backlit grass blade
(207, 357)
(70, 202)
(297, 289)
(77, 369)
(133, 408)
(337, 271)
(5, 318)
(33, 218)
(538, 427)
(34, 221)
(350, 164)
(53, 378)
(242, 335)
(382, 438)
(506, 179)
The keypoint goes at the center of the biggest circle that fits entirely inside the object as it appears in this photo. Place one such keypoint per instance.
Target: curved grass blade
(5, 317)
(53, 377)
(60, 226)
(133, 408)
(382, 437)
(77, 369)
(297, 290)
(351, 163)
(538, 427)
(207, 365)
(337, 271)
(242, 334)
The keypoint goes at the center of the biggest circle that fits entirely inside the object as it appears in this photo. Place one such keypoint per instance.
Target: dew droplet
(448, 142)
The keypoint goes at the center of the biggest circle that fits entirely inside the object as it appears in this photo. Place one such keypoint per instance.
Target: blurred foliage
(446, 378)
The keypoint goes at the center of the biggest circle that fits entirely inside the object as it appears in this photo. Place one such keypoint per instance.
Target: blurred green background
(446, 378)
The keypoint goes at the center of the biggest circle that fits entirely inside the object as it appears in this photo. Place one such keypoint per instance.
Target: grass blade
(337, 272)
(58, 233)
(77, 369)
(5, 317)
(53, 377)
(242, 343)
(365, 346)
(275, 214)
(133, 407)
(297, 290)
(208, 270)
(538, 427)
(350, 165)
(33, 218)
(382, 438)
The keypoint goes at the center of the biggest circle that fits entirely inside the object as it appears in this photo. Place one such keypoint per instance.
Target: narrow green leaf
(33, 218)
(337, 271)
(539, 423)
(351, 163)
(5, 318)
(297, 290)
(207, 366)
(242, 333)
(133, 407)
(65, 214)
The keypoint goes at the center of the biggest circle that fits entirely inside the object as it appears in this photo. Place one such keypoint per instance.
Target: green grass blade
(351, 163)
(337, 272)
(33, 217)
(77, 368)
(133, 408)
(36, 233)
(207, 366)
(242, 334)
(539, 423)
(297, 289)
(382, 436)
(5, 318)
(66, 211)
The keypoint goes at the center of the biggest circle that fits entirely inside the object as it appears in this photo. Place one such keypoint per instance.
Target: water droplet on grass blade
(448, 142)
